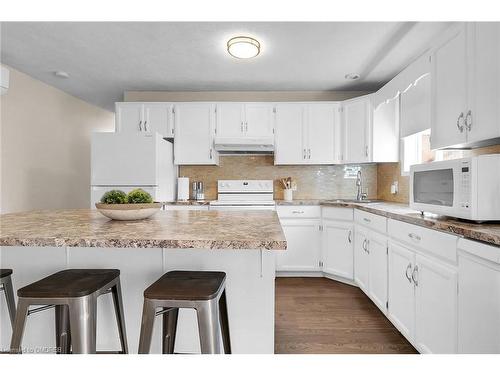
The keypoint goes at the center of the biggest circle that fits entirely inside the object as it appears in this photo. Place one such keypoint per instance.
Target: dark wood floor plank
(322, 316)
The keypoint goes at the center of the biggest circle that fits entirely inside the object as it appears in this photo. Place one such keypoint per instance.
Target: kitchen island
(242, 244)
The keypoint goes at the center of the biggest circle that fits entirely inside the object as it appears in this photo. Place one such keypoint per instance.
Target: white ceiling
(104, 59)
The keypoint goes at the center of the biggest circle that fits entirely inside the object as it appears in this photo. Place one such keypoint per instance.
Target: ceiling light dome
(243, 47)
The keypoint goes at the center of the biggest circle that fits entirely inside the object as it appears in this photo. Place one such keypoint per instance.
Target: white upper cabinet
(483, 122)
(356, 119)
(449, 91)
(194, 134)
(307, 133)
(230, 120)
(244, 120)
(466, 86)
(259, 119)
(385, 133)
(323, 133)
(289, 140)
(136, 117)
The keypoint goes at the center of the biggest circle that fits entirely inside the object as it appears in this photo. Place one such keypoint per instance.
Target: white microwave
(466, 188)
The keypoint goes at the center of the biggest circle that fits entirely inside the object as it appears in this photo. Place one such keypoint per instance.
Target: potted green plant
(136, 205)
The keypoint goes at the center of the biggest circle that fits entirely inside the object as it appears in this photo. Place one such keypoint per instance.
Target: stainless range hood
(244, 145)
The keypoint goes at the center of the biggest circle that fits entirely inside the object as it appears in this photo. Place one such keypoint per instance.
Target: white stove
(244, 195)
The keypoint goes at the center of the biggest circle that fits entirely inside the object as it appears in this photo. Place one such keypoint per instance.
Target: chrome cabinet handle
(365, 246)
(241, 126)
(349, 236)
(210, 153)
(367, 220)
(246, 126)
(145, 126)
(366, 150)
(414, 236)
(414, 275)
(309, 153)
(368, 246)
(408, 268)
(297, 212)
(304, 154)
(460, 127)
(140, 126)
(468, 120)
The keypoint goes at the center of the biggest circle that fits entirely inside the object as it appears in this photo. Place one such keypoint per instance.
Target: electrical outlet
(294, 186)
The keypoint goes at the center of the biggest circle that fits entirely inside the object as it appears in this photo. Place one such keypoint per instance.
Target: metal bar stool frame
(6, 287)
(212, 320)
(76, 319)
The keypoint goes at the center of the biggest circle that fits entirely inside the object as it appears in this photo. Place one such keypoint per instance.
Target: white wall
(45, 146)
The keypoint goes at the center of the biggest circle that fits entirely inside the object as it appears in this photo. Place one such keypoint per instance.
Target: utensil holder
(288, 194)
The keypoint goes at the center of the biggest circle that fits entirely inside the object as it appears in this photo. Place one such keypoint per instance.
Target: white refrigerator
(129, 161)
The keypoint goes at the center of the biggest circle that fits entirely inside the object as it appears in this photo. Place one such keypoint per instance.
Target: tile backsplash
(313, 181)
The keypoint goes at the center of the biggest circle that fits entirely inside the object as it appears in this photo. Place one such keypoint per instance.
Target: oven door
(438, 188)
(241, 207)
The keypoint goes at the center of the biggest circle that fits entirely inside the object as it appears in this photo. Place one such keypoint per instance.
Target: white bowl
(128, 211)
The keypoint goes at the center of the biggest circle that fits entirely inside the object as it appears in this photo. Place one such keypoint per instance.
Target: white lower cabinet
(361, 258)
(423, 299)
(338, 239)
(304, 246)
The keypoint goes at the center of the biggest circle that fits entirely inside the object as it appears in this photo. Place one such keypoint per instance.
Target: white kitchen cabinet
(338, 239)
(449, 90)
(194, 134)
(356, 121)
(307, 133)
(361, 258)
(385, 133)
(289, 141)
(466, 86)
(401, 310)
(436, 306)
(377, 269)
(136, 117)
(478, 298)
(303, 253)
(244, 120)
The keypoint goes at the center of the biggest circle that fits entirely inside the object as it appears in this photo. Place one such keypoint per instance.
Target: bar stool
(203, 291)
(74, 294)
(6, 286)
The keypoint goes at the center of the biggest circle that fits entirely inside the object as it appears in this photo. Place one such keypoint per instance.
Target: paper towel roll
(183, 188)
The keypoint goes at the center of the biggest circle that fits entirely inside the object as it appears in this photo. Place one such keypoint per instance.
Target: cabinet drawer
(337, 213)
(440, 244)
(299, 212)
(372, 221)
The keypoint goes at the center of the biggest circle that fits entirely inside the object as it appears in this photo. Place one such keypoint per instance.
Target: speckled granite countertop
(485, 232)
(260, 230)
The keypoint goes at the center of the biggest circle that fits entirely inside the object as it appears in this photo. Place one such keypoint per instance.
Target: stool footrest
(40, 309)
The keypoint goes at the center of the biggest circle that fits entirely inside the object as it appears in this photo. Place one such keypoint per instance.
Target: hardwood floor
(318, 315)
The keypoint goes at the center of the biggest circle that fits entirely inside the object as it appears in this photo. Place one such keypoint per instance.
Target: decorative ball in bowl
(136, 205)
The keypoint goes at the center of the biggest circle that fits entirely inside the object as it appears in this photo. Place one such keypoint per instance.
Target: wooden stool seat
(72, 283)
(186, 285)
(4, 272)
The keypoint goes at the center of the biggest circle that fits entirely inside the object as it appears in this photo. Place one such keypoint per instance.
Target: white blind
(415, 113)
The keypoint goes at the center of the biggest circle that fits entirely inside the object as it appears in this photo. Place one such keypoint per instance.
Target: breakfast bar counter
(242, 244)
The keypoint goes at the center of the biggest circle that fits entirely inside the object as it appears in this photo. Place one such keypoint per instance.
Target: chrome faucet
(360, 195)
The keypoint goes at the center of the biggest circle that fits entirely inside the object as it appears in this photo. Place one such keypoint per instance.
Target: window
(416, 149)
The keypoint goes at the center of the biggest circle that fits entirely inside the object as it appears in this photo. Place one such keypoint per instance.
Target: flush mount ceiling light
(61, 74)
(352, 76)
(243, 47)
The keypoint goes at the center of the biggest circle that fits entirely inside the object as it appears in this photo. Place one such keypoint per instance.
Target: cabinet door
(385, 144)
(304, 246)
(322, 121)
(259, 120)
(401, 290)
(230, 120)
(338, 249)
(356, 123)
(436, 306)
(158, 118)
(478, 304)
(129, 117)
(377, 284)
(194, 133)
(484, 60)
(289, 146)
(361, 258)
(449, 91)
